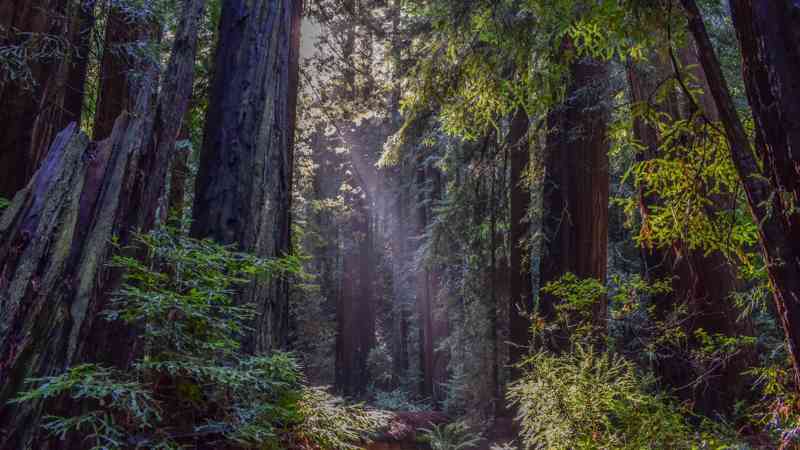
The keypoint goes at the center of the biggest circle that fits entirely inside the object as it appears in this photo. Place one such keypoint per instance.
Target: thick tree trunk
(576, 188)
(520, 283)
(422, 287)
(57, 234)
(400, 313)
(356, 312)
(244, 181)
(124, 60)
(33, 108)
(769, 38)
(62, 92)
(702, 283)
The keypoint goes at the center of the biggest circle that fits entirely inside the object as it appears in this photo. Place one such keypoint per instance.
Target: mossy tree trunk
(56, 237)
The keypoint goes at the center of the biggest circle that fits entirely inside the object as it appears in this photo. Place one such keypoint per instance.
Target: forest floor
(404, 429)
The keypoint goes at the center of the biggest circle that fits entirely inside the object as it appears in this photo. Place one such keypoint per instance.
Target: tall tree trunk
(520, 283)
(244, 181)
(576, 188)
(356, 312)
(178, 177)
(62, 93)
(127, 52)
(347, 368)
(770, 42)
(440, 325)
(57, 234)
(422, 287)
(400, 313)
(35, 106)
(702, 282)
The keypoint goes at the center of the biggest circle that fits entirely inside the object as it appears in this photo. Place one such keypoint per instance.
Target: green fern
(451, 436)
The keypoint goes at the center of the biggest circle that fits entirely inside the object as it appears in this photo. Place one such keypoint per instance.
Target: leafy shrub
(573, 319)
(451, 436)
(330, 423)
(190, 380)
(588, 399)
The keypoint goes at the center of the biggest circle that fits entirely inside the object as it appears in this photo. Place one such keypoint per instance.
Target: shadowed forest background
(399, 224)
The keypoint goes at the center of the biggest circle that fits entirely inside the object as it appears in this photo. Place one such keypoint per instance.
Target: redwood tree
(520, 284)
(576, 187)
(127, 49)
(245, 175)
(702, 281)
(45, 92)
(56, 236)
(769, 37)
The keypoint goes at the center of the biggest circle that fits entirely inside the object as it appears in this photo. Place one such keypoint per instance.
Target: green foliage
(331, 424)
(4, 203)
(451, 436)
(112, 394)
(399, 400)
(587, 399)
(574, 310)
(190, 379)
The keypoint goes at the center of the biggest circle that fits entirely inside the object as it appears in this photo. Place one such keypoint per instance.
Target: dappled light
(399, 224)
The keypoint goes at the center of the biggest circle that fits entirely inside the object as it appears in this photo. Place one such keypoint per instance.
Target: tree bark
(33, 109)
(769, 37)
(178, 177)
(520, 283)
(62, 92)
(244, 181)
(701, 282)
(124, 60)
(356, 311)
(576, 189)
(422, 285)
(55, 239)
(400, 259)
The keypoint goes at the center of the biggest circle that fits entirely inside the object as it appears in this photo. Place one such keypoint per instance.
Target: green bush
(587, 399)
(191, 380)
(451, 436)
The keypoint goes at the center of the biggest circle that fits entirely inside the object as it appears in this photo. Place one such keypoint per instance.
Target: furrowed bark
(701, 282)
(244, 181)
(520, 284)
(126, 57)
(55, 240)
(37, 26)
(769, 37)
(576, 189)
(62, 93)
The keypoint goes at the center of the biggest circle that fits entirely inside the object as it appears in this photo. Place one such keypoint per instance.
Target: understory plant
(590, 399)
(190, 384)
(452, 436)
(582, 394)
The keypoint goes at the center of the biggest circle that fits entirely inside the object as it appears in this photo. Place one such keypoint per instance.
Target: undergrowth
(190, 384)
